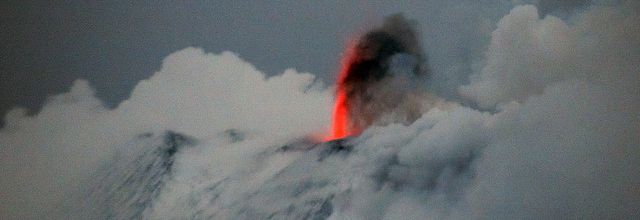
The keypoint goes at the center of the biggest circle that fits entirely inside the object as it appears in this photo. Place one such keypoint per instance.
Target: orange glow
(341, 122)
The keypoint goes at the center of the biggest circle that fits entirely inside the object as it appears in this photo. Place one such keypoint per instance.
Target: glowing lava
(373, 81)
(341, 121)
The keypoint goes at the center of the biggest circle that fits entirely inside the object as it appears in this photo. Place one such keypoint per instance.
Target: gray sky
(46, 45)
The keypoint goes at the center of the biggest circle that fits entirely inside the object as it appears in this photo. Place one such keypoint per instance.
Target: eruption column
(340, 121)
(367, 86)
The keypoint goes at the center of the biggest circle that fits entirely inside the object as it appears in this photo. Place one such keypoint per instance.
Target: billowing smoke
(552, 133)
(381, 72)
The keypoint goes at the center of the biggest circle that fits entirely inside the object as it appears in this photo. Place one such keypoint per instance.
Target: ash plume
(382, 72)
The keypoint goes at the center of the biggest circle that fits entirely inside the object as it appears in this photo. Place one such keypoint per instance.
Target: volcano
(546, 128)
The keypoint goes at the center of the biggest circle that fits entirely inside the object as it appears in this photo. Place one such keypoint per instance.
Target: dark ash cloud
(380, 57)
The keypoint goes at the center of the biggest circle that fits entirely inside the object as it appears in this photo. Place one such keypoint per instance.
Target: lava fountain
(378, 72)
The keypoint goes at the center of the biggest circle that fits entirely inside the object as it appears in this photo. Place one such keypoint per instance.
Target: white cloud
(48, 156)
(528, 53)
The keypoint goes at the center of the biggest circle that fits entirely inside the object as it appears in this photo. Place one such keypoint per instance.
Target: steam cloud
(553, 133)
